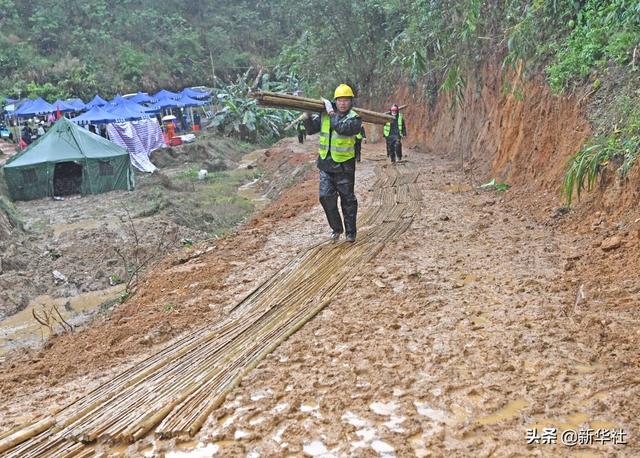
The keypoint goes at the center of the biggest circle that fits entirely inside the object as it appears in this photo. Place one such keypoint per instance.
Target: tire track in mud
(173, 392)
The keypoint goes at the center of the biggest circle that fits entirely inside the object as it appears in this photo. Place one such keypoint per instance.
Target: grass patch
(616, 148)
(214, 206)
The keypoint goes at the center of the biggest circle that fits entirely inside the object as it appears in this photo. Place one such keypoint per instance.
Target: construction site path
(459, 336)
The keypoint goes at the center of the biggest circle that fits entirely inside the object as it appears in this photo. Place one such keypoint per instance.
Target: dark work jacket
(343, 127)
(394, 132)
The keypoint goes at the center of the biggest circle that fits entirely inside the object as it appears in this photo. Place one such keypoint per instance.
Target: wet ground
(456, 340)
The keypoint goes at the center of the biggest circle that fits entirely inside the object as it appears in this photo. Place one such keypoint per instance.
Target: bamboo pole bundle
(294, 102)
(21, 435)
(179, 387)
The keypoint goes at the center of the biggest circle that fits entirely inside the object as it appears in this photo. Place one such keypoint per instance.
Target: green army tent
(68, 160)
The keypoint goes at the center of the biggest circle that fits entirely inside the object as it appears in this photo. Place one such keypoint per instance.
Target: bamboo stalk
(278, 100)
(26, 433)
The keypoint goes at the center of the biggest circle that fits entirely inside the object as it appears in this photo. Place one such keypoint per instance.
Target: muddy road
(467, 331)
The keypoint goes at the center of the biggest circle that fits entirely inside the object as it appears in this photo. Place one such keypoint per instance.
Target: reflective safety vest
(301, 127)
(387, 127)
(341, 146)
(359, 135)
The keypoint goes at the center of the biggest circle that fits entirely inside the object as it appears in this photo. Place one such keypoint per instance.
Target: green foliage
(604, 32)
(239, 116)
(496, 185)
(454, 85)
(104, 46)
(343, 41)
(618, 149)
(110, 46)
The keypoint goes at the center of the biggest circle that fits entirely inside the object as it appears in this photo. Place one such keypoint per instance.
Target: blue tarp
(63, 106)
(96, 115)
(195, 94)
(97, 101)
(78, 104)
(35, 107)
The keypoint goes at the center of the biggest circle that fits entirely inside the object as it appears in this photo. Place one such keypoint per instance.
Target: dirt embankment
(512, 129)
(515, 130)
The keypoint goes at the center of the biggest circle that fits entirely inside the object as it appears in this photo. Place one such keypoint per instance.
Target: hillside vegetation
(60, 48)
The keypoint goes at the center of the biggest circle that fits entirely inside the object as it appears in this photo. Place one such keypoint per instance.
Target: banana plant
(239, 116)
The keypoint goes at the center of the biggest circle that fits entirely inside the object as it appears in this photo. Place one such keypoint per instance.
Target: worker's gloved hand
(328, 106)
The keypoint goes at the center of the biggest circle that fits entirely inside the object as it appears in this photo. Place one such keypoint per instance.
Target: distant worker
(171, 129)
(394, 132)
(185, 121)
(338, 127)
(362, 135)
(302, 132)
(26, 134)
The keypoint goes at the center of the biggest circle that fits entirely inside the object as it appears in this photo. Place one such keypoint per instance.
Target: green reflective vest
(387, 126)
(341, 146)
(301, 127)
(359, 135)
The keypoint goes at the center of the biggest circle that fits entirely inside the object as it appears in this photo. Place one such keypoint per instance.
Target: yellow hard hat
(343, 91)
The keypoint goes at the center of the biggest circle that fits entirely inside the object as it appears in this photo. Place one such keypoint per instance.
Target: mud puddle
(22, 329)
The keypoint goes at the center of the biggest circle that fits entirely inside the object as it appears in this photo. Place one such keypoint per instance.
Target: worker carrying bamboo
(338, 127)
(302, 132)
(394, 132)
(360, 137)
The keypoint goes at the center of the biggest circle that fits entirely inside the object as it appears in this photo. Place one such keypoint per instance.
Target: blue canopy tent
(78, 104)
(24, 105)
(120, 101)
(186, 101)
(97, 101)
(164, 94)
(63, 106)
(195, 94)
(35, 107)
(181, 102)
(141, 97)
(126, 113)
(164, 104)
(96, 115)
